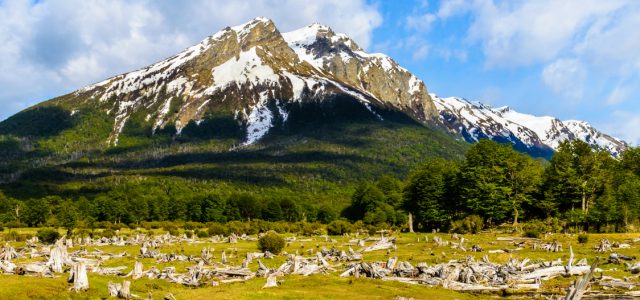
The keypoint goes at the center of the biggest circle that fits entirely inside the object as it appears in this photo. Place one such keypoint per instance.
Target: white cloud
(565, 77)
(624, 125)
(528, 32)
(450, 8)
(421, 22)
(421, 52)
(619, 94)
(53, 46)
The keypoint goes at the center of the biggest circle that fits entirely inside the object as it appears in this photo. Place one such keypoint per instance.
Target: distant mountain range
(253, 87)
(539, 136)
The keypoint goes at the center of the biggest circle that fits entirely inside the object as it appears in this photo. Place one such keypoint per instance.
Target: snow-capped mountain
(260, 79)
(243, 69)
(537, 135)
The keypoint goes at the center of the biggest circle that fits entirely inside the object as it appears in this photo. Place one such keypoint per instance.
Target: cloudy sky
(571, 59)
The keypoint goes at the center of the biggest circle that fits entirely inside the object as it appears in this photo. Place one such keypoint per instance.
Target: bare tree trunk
(410, 222)
(584, 197)
(79, 277)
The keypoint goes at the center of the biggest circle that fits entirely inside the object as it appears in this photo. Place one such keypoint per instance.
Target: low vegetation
(272, 242)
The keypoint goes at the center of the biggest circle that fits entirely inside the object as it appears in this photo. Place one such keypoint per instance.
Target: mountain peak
(536, 135)
(243, 69)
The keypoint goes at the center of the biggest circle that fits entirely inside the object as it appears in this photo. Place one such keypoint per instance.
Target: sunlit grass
(410, 247)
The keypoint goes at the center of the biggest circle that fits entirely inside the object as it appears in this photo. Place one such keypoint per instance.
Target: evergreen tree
(430, 194)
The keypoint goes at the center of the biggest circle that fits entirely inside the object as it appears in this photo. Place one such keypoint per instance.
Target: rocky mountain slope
(256, 74)
(251, 80)
(539, 136)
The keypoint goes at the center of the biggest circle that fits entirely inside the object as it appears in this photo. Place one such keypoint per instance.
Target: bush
(271, 242)
(311, 229)
(48, 235)
(535, 228)
(169, 227)
(339, 227)
(15, 224)
(534, 234)
(583, 238)
(108, 233)
(188, 233)
(192, 225)
(202, 234)
(470, 224)
(173, 231)
(216, 229)
(14, 236)
(83, 233)
(240, 228)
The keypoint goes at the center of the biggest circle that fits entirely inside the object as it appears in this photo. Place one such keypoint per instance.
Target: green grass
(328, 286)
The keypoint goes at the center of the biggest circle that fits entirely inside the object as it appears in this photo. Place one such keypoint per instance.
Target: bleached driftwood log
(78, 277)
(382, 244)
(439, 242)
(272, 281)
(115, 271)
(136, 273)
(616, 258)
(634, 268)
(205, 254)
(59, 257)
(122, 291)
(8, 253)
(579, 288)
(604, 246)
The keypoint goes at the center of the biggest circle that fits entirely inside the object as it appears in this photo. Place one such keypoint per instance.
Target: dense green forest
(578, 189)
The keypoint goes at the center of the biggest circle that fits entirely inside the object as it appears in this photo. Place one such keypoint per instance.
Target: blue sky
(574, 59)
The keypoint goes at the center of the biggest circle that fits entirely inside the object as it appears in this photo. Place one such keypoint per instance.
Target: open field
(409, 247)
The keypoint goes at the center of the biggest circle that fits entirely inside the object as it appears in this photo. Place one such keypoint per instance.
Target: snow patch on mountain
(475, 121)
(247, 67)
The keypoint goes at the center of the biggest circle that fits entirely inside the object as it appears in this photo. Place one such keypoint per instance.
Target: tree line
(580, 188)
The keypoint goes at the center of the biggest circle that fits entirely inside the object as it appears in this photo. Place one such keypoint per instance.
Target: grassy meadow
(410, 247)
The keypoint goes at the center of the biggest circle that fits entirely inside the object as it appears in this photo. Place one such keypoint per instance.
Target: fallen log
(579, 287)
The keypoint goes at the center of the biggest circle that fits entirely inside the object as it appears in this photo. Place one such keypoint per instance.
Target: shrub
(102, 224)
(108, 233)
(11, 236)
(202, 234)
(173, 231)
(188, 233)
(339, 227)
(48, 235)
(216, 229)
(83, 233)
(14, 236)
(532, 233)
(271, 242)
(535, 228)
(240, 228)
(583, 238)
(169, 227)
(116, 226)
(15, 224)
(192, 225)
(1, 228)
(311, 229)
(470, 224)
(151, 225)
